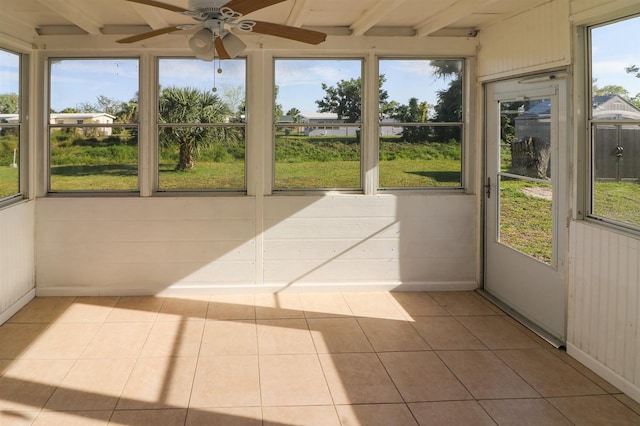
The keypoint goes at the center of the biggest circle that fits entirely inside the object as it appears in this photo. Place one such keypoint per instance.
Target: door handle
(487, 187)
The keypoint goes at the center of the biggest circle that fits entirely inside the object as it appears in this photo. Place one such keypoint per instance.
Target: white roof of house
(319, 115)
(82, 115)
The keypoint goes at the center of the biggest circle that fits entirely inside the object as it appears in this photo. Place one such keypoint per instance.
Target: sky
(74, 82)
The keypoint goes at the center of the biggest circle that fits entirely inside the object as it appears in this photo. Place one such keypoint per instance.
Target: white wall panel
(604, 304)
(144, 246)
(425, 241)
(16, 257)
(537, 39)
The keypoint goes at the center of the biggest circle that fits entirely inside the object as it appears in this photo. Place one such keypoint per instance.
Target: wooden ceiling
(34, 21)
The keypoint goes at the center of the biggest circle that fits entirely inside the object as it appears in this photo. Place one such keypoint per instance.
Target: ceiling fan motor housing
(206, 6)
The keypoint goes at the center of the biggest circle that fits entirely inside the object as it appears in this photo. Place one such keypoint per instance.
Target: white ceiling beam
(374, 15)
(151, 16)
(75, 13)
(298, 13)
(453, 13)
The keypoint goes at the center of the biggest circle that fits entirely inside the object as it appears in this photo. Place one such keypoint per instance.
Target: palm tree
(188, 106)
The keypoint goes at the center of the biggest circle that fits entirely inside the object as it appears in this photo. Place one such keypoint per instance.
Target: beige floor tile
(226, 381)
(183, 308)
(118, 340)
(16, 338)
(324, 305)
(451, 413)
(374, 305)
(338, 335)
(278, 306)
(375, 415)
(486, 376)
(497, 333)
(174, 338)
(628, 402)
(62, 341)
(584, 370)
(287, 380)
(284, 336)
(462, 303)
(595, 410)
(243, 416)
(446, 333)
(529, 333)
(17, 418)
(392, 335)
(418, 304)
(232, 307)
(88, 309)
(421, 376)
(300, 416)
(135, 309)
(92, 384)
(159, 383)
(150, 417)
(27, 384)
(537, 412)
(42, 310)
(548, 374)
(72, 418)
(223, 337)
(358, 379)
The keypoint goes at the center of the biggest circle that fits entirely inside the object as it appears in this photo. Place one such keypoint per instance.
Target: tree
(449, 105)
(293, 112)
(414, 112)
(633, 69)
(345, 99)
(103, 104)
(277, 108)
(9, 103)
(190, 105)
(234, 97)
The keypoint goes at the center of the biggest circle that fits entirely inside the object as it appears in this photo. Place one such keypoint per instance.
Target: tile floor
(291, 359)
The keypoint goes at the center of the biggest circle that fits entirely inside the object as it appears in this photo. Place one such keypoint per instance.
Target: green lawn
(525, 220)
(8, 181)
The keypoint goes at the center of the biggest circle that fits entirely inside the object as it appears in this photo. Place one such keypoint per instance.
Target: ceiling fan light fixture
(233, 45)
(201, 43)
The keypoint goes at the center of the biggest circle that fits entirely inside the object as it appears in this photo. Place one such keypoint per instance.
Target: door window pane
(525, 202)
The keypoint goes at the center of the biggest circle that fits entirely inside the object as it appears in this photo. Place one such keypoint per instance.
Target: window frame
(591, 124)
(48, 126)
(157, 125)
(23, 129)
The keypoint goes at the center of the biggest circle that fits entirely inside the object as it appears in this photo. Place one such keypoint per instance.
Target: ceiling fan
(216, 18)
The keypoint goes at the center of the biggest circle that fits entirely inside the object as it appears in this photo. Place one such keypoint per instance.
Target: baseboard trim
(630, 389)
(204, 289)
(11, 310)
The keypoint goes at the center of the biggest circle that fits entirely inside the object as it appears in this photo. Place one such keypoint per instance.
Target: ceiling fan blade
(160, 5)
(291, 33)
(222, 51)
(144, 36)
(247, 6)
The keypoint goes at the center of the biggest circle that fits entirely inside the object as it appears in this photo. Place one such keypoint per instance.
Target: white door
(525, 200)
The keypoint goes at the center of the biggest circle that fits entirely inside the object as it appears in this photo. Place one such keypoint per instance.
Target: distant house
(315, 124)
(85, 118)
